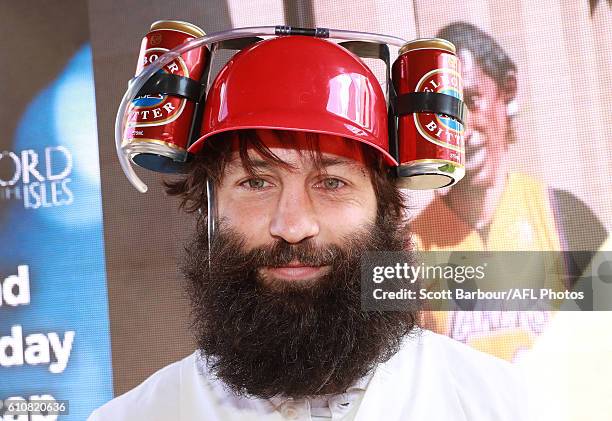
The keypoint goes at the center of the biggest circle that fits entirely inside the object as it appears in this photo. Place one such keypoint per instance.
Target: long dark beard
(286, 338)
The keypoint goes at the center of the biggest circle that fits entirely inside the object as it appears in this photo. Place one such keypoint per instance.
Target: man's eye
(332, 183)
(473, 101)
(255, 183)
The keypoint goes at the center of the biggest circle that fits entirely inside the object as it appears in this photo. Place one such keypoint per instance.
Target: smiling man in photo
(497, 209)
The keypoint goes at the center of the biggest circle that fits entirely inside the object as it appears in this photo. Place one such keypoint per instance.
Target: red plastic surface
(298, 83)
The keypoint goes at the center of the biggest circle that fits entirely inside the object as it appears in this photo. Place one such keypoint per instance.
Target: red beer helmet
(298, 83)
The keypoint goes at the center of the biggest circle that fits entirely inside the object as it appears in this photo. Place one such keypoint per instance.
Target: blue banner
(54, 329)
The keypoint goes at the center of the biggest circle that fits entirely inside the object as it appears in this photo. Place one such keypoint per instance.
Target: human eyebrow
(259, 164)
(255, 166)
(252, 164)
(332, 161)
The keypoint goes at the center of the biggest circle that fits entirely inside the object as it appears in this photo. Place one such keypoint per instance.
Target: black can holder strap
(169, 84)
(431, 102)
(295, 30)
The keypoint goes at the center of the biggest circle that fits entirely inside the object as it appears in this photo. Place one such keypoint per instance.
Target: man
(293, 173)
(494, 209)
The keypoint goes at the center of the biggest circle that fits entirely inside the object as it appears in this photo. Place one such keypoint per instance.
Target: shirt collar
(351, 393)
(355, 390)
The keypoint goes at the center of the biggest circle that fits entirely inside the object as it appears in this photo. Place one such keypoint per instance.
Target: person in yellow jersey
(494, 209)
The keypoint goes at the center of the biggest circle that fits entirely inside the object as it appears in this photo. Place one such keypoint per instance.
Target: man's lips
(295, 271)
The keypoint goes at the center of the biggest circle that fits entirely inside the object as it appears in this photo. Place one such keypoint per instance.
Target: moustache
(281, 253)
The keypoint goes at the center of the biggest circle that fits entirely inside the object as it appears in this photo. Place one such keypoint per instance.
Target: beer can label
(427, 136)
(439, 129)
(157, 110)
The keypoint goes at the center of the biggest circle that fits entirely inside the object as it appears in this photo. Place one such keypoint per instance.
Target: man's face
(322, 203)
(282, 276)
(487, 125)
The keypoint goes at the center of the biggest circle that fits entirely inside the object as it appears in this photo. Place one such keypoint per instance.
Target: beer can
(159, 126)
(431, 145)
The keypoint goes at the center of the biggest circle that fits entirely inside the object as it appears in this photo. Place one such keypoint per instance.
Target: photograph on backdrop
(494, 208)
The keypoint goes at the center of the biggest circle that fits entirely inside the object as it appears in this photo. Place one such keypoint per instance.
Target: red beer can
(158, 127)
(431, 145)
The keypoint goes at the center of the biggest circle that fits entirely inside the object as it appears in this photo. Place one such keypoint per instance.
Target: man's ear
(509, 88)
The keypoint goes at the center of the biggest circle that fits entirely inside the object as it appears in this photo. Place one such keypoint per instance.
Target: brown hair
(211, 160)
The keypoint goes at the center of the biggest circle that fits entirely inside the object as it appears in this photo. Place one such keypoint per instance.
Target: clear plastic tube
(138, 82)
(366, 36)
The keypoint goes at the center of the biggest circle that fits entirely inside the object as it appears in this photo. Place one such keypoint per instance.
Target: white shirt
(431, 378)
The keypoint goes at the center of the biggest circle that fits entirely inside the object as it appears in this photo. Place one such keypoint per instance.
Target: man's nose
(473, 122)
(469, 124)
(472, 114)
(294, 219)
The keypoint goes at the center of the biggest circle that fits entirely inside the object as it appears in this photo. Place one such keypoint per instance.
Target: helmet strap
(211, 216)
